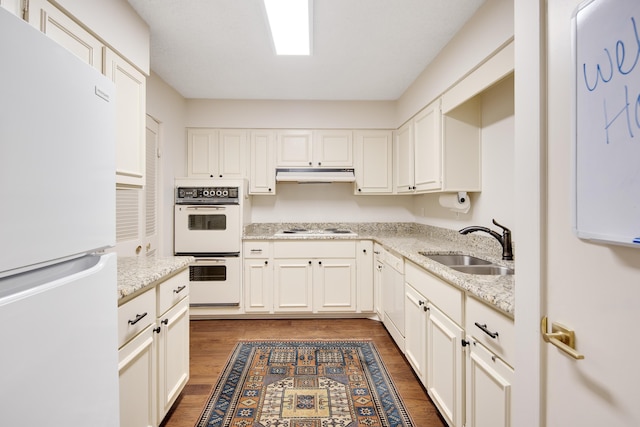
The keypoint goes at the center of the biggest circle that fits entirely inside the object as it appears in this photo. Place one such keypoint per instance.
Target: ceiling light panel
(290, 23)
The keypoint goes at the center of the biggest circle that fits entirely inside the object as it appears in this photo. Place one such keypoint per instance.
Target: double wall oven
(208, 226)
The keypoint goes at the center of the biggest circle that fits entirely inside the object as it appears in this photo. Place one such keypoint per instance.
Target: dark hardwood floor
(213, 340)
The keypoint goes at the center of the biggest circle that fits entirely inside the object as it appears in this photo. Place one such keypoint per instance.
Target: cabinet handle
(220, 175)
(420, 302)
(425, 308)
(319, 163)
(465, 342)
(256, 251)
(359, 189)
(310, 164)
(138, 318)
(157, 330)
(266, 262)
(269, 190)
(484, 329)
(179, 289)
(165, 321)
(309, 262)
(319, 262)
(376, 252)
(364, 251)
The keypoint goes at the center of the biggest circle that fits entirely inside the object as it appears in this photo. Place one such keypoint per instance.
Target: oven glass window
(207, 222)
(207, 273)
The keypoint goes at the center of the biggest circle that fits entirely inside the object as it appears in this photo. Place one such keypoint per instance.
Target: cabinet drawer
(172, 290)
(315, 249)
(446, 297)
(135, 315)
(499, 336)
(257, 250)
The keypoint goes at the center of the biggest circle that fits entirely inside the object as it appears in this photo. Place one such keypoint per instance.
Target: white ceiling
(362, 49)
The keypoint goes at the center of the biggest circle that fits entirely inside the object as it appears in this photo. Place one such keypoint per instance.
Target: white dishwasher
(393, 297)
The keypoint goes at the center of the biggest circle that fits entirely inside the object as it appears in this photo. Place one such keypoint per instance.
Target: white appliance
(208, 225)
(58, 298)
(208, 218)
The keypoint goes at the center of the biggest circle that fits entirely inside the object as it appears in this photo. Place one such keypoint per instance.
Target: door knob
(560, 336)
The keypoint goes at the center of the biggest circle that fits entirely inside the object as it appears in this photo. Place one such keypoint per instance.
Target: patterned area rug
(305, 384)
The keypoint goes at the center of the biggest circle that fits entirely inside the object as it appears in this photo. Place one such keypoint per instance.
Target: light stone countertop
(136, 274)
(407, 240)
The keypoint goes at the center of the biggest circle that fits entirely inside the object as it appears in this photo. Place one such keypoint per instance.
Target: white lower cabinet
(173, 355)
(154, 351)
(433, 347)
(470, 378)
(314, 276)
(489, 388)
(137, 370)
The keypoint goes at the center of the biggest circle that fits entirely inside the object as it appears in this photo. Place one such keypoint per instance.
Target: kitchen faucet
(505, 239)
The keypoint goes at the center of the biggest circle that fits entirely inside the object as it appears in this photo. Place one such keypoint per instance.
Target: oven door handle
(211, 260)
(206, 208)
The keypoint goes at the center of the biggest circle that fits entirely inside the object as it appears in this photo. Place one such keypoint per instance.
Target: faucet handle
(505, 229)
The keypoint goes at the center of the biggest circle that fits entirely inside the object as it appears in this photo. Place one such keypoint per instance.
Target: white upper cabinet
(321, 148)
(373, 162)
(404, 181)
(12, 6)
(65, 31)
(130, 119)
(262, 162)
(427, 141)
(333, 148)
(213, 153)
(294, 148)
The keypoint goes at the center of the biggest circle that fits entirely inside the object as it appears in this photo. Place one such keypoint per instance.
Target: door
(591, 288)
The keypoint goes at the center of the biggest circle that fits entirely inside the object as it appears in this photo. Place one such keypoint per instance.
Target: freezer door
(57, 151)
(59, 360)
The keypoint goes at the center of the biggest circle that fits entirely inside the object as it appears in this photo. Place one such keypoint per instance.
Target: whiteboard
(606, 178)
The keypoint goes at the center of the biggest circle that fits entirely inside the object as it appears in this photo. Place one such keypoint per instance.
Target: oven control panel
(207, 196)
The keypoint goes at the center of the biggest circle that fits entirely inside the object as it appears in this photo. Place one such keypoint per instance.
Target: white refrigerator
(58, 296)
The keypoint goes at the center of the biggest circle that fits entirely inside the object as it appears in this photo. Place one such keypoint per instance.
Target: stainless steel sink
(490, 269)
(456, 259)
(469, 264)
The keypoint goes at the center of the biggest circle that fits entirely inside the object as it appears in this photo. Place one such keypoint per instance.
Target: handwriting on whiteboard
(620, 108)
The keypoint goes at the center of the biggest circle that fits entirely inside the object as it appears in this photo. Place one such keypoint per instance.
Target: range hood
(315, 175)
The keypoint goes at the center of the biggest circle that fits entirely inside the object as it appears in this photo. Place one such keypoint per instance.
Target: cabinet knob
(309, 262)
(157, 330)
(310, 163)
(319, 262)
(266, 262)
(364, 251)
(319, 163)
(269, 190)
(220, 175)
(359, 189)
(165, 321)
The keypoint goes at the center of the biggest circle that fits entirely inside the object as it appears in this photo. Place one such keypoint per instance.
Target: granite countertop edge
(408, 240)
(137, 275)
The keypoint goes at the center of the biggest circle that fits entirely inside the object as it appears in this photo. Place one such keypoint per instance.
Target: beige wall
(291, 114)
(168, 107)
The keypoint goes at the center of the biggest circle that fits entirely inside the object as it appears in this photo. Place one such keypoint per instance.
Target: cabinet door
(202, 153)
(445, 365)
(65, 31)
(138, 387)
(488, 388)
(294, 148)
(231, 153)
(374, 162)
(173, 355)
(130, 119)
(12, 6)
(262, 156)
(427, 138)
(403, 155)
(364, 276)
(293, 285)
(378, 266)
(415, 332)
(334, 285)
(258, 286)
(333, 148)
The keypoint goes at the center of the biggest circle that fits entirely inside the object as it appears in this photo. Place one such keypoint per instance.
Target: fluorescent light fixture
(290, 22)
